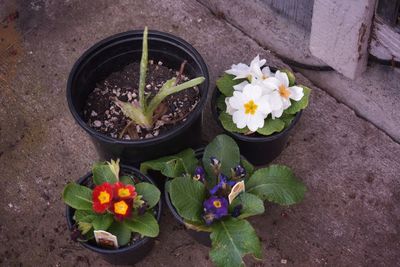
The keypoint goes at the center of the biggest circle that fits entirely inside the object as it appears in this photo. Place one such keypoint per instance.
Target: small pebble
(148, 86)
(149, 135)
(159, 63)
(97, 123)
(93, 114)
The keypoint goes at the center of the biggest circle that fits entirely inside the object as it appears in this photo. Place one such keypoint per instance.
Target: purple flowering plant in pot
(215, 195)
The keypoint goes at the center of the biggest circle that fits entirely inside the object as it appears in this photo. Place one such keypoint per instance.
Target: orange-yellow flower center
(264, 77)
(124, 192)
(250, 107)
(104, 197)
(217, 203)
(120, 207)
(284, 91)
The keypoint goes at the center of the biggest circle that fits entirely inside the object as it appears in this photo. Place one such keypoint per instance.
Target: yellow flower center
(104, 197)
(250, 107)
(124, 192)
(264, 77)
(284, 91)
(217, 203)
(120, 207)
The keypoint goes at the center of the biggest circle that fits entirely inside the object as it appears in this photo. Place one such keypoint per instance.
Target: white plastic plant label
(105, 239)
(236, 190)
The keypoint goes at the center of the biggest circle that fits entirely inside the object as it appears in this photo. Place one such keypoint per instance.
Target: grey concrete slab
(351, 211)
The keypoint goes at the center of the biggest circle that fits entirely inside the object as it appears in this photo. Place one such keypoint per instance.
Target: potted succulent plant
(139, 95)
(114, 212)
(259, 106)
(214, 196)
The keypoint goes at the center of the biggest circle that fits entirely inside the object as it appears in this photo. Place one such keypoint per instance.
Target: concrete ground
(351, 213)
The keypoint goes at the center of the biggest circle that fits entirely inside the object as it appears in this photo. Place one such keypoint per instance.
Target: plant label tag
(105, 239)
(236, 190)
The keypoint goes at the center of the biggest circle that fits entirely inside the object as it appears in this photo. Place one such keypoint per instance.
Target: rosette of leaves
(225, 85)
(96, 206)
(232, 235)
(144, 112)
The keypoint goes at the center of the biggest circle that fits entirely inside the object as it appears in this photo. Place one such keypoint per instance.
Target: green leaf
(271, 126)
(251, 205)
(134, 112)
(224, 149)
(287, 119)
(103, 221)
(199, 227)
(187, 196)
(231, 240)
(78, 197)
(84, 227)
(173, 166)
(103, 173)
(126, 180)
(114, 167)
(226, 82)
(296, 106)
(229, 125)
(221, 105)
(247, 166)
(143, 69)
(86, 216)
(276, 183)
(145, 224)
(291, 77)
(149, 192)
(121, 231)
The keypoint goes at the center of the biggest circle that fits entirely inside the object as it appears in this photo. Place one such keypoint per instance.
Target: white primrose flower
(251, 107)
(242, 71)
(279, 92)
(259, 76)
(229, 108)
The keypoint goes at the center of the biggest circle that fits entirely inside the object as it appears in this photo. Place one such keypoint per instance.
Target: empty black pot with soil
(95, 71)
(257, 148)
(131, 253)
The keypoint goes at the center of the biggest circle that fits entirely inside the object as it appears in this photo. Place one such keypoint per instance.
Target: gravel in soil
(102, 114)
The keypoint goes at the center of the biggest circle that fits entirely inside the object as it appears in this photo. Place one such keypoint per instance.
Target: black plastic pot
(111, 55)
(200, 236)
(259, 150)
(128, 254)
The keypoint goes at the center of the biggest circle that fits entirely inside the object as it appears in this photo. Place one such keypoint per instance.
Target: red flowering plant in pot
(214, 192)
(114, 212)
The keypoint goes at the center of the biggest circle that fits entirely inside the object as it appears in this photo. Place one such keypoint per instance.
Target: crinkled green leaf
(200, 227)
(231, 240)
(149, 192)
(187, 197)
(134, 112)
(271, 126)
(251, 205)
(226, 82)
(173, 166)
(84, 227)
(102, 221)
(126, 180)
(229, 125)
(296, 106)
(287, 118)
(102, 173)
(121, 231)
(145, 224)
(78, 196)
(84, 216)
(276, 183)
(221, 105)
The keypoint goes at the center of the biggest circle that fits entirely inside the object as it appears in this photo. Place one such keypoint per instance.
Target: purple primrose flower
(239, 171)
(199, 174)
(214, 208)
(223, 181)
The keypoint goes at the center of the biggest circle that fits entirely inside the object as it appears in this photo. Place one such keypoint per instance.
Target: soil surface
(102, 114)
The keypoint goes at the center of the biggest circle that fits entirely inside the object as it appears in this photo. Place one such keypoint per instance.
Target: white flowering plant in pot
(258, 99)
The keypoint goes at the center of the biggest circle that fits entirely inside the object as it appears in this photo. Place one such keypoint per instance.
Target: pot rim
(143, 241)
(135, 35)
